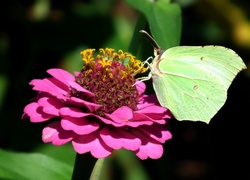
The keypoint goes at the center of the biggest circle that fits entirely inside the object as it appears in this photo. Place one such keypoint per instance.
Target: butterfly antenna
(156, 46)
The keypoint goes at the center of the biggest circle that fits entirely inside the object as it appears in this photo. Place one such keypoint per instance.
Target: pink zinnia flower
(99, 109)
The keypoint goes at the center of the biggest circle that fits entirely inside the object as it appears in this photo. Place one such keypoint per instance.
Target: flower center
(110, 76)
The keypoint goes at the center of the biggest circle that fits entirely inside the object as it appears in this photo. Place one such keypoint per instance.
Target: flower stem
(83, 167)
(97, 169)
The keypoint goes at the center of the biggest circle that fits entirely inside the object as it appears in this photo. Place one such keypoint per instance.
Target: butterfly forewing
(193, 81)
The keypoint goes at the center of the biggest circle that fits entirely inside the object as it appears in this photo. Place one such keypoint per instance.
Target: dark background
(31, 43)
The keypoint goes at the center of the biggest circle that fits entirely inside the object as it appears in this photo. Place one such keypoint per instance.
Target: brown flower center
(110, 77)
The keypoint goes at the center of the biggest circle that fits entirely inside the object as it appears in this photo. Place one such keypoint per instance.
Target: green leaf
(65, 153)
(164, 20)
(30, 166)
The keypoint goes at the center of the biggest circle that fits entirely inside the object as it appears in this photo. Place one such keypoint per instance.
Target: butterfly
(192, 81)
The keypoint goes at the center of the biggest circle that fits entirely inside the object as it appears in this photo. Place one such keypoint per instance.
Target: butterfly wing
(192, 81)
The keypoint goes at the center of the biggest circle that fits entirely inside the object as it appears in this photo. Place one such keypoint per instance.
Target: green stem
(135, 42)
(83, 167)
(97, 169)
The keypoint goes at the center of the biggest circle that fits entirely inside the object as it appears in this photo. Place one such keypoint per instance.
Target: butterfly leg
(144, 62)
(138, 80)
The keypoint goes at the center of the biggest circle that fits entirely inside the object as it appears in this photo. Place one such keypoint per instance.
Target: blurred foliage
(41, 34)
(25, 166)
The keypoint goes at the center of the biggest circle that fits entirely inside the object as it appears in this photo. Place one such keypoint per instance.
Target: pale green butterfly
(192, 81)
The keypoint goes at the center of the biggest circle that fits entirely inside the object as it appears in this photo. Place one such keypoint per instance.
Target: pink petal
(81, 89)
(129, 123)
(91, 143)
(158, 132)
(148, 100)
(140, 119)
(55, 134)
(121, 116)
(155, 112)
(61, 75)
(141, 87)
(150, 150)
(149, 147)
(118, 138)
(76, 73)
(50, 105)
(51, 86)
(92, 107)
(150, 105)
(152, 109)
(108, 121)
(35, 112)
(79, 126)
(72, 112)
